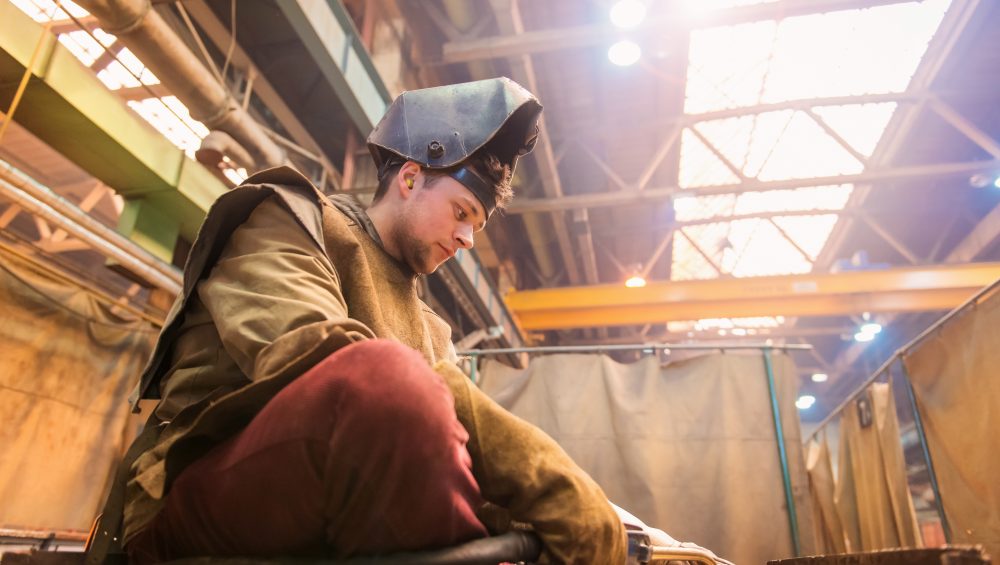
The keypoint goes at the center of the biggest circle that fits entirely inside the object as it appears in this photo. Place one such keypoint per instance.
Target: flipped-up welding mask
(442, 126)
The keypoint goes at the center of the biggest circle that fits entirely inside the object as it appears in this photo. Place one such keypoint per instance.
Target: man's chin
(426, 268)
(430, 270)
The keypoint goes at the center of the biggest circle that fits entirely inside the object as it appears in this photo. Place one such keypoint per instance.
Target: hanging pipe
(149, 37)
(218, 144)
(41, 201)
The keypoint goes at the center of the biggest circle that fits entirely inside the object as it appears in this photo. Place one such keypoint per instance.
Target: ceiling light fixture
(863, 337)
(635, 281)
(871, 328)
(805, 402)
(624, 53)
(820, 377)
(627, 14)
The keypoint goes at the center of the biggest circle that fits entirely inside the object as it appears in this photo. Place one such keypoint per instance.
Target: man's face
(435, 221)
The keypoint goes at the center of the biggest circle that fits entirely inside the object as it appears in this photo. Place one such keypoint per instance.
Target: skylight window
(761, 66)
(850, 52)
(124, 70)
(847, 53)
(171, 118)
(43, 10)
(84, 47)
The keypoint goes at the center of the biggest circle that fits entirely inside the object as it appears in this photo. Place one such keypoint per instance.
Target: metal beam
(707, 336)
(47, 206)
(509, 45)
(967, 128)
(508, 17)
(659, 195)
(980, 239)
(911, 97)
(67, 25)
(65, 103)
(836, 136)
(910, 289)
(328, 33)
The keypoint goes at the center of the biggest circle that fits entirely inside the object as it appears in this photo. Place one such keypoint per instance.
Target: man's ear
(406, 178)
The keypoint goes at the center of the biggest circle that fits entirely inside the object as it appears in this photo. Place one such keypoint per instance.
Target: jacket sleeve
(275, 297)
(522, 469)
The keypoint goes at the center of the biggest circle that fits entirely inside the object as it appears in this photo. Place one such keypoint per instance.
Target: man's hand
(658, 537)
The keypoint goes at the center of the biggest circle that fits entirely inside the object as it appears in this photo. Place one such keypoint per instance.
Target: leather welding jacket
(279, 278)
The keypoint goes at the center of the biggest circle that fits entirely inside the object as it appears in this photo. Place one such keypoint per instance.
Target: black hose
(512, 547)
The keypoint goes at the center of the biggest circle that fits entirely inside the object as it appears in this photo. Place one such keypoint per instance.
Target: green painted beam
(326, 29)
(66, 106)
(144, 223)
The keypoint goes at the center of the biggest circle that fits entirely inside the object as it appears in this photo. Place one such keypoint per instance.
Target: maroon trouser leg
(363, 454)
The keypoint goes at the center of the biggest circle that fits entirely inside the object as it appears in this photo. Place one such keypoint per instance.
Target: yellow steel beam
(908, 289)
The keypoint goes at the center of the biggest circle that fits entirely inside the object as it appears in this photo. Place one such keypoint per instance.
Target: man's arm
(275, 297)
(522, 469)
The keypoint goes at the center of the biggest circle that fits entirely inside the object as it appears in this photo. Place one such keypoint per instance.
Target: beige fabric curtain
(67, 367)
(689, 447)
(872, 494)
(830, 535)
(955, 381)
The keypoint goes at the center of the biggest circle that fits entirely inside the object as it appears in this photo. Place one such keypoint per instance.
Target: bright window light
(83, 47)
(171, 118)
(805, 402)
(624, 53)
(627, 14)
(838, 53)
(237, 176)
(820, 377)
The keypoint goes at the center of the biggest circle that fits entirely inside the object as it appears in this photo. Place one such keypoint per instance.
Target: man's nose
(463, 235)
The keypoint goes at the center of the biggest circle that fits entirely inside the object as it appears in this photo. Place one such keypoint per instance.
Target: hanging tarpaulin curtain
(830, 535)
(872, 494)
(955, 378)
(67, 367)
(689, 447)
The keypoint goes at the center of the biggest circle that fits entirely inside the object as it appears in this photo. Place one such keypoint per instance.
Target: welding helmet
(440, 127)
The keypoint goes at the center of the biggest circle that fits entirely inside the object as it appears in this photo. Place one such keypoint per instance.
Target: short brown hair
(484, 163)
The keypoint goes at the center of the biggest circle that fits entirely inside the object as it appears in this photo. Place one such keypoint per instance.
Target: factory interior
(748, 279)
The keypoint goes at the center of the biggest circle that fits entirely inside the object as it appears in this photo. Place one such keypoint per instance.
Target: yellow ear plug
(409, 183)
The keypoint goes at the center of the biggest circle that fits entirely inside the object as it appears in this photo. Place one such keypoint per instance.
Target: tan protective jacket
(279, 278)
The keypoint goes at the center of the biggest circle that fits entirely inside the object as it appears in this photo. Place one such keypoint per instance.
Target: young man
(309, 400)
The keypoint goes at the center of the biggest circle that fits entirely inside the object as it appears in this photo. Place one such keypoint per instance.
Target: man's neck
(381, 218)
